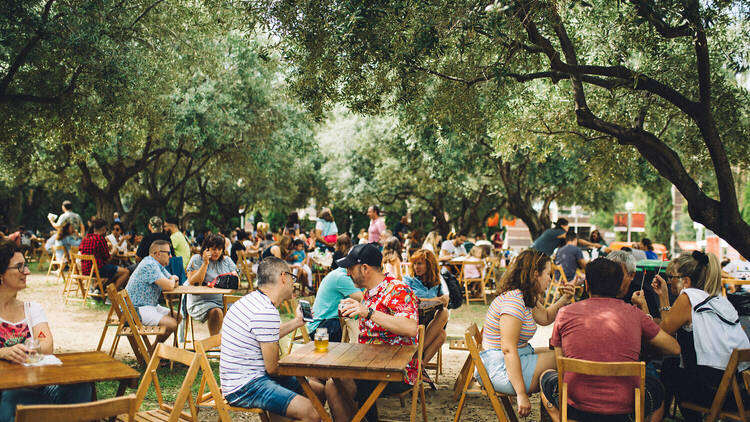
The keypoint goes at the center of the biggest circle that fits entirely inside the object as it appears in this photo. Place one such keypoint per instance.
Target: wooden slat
(363, 359)
(384, 359)
(334, 353)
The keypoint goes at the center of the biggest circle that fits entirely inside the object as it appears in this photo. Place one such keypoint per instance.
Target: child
(298, 262)
(472, 271)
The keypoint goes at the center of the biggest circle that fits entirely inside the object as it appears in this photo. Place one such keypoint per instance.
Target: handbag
(225, 281)
(454, 290)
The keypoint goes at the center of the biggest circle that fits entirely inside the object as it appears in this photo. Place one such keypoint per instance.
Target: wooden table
(378, 362)
(427, 309)
(76, 368)
(189, 290)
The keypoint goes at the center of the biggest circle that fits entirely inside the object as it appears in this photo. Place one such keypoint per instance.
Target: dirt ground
(77, 327)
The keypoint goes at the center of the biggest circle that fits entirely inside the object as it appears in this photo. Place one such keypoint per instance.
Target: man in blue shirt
(337, 285)
(146, 284)
(570, 257)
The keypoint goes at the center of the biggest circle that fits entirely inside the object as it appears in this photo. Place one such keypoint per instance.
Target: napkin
(46, 360)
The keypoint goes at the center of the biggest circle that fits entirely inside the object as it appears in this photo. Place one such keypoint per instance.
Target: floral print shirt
(395, 298)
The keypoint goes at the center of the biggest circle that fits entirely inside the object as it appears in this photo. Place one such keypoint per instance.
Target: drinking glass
(34, 354)
(321, 339)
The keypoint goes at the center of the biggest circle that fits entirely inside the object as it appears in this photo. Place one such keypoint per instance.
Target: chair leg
(424, 402)
(508, 409)
(106, 327)
(414, 398)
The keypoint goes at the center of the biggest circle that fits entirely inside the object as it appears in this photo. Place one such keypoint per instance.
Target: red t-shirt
(602, 330)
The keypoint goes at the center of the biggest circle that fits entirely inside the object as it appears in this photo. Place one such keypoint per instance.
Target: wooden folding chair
(716, 410)
(214, 398)
(437, 366)
(608, 369)
(503, 411)
(138, 337)
(246, 270)
(113, 318)
(56, 264)
(229, 300)
(558, 279)
(460, 344)
(467, 282)
(81, 283)
(81, 412)
(166, 412)
(417, 392)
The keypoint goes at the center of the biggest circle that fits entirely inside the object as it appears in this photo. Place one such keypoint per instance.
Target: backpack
(454, 289)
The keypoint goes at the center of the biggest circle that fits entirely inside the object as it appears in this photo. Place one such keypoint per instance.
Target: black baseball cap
(368, 253)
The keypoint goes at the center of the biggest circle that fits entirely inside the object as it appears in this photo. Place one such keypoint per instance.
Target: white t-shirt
(12, 334)
(326, 228)
(122, 247)
(739, 269)
(451, 249)
(249, 322)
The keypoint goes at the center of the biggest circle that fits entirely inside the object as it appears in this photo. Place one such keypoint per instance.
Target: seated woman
(513, 365)
(392, 258)
(298, 262)
(428, 285)
(432, 242)
(326, 231)
(343, 244)
(280, 249)
(706, 326)
(21, 321)
(202, 269)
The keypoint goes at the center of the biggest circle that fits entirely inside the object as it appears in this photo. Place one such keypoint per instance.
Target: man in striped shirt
(250, 348)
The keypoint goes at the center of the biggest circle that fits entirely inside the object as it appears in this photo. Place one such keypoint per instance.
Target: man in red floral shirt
(95, 244)
(387, 315)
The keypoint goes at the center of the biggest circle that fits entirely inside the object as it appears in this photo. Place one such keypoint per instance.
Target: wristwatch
(370, 311)
(664, 308)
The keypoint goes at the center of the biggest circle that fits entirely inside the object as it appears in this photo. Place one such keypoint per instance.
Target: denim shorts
(494, 362)
(266, 392)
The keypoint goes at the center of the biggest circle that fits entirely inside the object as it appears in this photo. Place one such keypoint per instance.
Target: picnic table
(85, 367)
(378, 362)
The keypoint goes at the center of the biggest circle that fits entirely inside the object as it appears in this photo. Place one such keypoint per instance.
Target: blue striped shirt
(250, 321)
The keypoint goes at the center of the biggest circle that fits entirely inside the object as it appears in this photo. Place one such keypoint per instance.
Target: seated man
(334, 287)
(95, 244)
(603, 328)
(250, 348)
(387, 314)
(453, 248)
(570, 257)
(149, 279)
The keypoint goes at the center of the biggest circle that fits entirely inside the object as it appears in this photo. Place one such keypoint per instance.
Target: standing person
(178, 240)
(706, 326)
(497, 240)
(250, 348)
(452, 248)
(326, 231)
(603, 328)
(387, 315)
(597, 238)
(78, 230)
(570, 257)
(95, 244)
(146, 285)
(21, 321)
(512, 364)
(202, 269)
(554, 238)
(156, 232)
(377, 224)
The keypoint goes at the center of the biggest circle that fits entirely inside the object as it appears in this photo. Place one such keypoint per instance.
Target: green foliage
(659, 214)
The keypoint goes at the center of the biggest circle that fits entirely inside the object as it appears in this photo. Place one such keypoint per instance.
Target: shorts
(199, 305)
(266, 392)
(108, 271)
(151, 315)
(654, 398)
(494, 362)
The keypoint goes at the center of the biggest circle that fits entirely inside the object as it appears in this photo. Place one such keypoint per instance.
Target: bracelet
(664, 308)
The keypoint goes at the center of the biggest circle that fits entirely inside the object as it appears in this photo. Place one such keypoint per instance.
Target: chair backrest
(201, 346)
(473, 339)
(604, 369)
(132, 319)
(729, 380)
(228, 300)
(78, 412)
(79, 258)
(185, 357)
(558, 275)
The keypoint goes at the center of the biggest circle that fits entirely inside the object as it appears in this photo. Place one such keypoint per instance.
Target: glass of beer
(321, 340)
(34, 350)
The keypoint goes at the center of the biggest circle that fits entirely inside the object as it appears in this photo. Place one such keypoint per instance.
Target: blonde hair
(432, 239)
(473, 252)
(703, 269)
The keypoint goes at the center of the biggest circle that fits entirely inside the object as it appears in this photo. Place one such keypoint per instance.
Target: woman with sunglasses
(20, 321)
(706, 326)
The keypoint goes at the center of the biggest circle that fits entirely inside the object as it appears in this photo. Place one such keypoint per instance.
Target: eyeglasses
(21, 267)
(672, 277)
(166, 252)
(294, 277)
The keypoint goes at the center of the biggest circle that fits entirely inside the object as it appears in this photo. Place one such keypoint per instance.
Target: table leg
(314, 399)
(370, 401)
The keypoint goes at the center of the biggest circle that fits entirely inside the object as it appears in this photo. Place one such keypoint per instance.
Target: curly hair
(431, 278)
(8, 248)
(213, 241)
(521, 275)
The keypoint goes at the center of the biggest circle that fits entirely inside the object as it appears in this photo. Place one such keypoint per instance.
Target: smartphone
(306, 310)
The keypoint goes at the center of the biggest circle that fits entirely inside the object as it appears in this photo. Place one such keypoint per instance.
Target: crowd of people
(686, 334)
